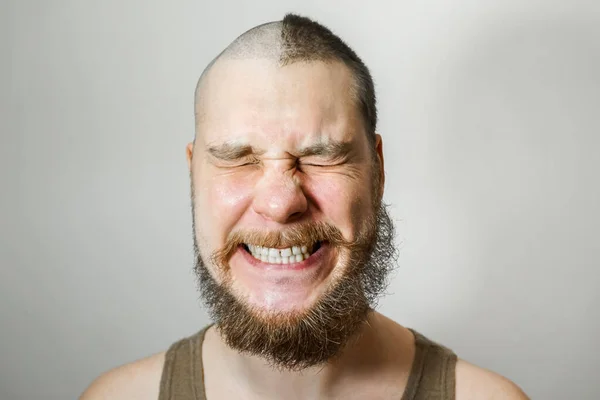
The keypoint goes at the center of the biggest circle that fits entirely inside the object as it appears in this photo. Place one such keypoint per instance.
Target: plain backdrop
(490, 114)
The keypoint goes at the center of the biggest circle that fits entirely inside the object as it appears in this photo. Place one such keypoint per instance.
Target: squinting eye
(242, 163)
(247, 164)
(323, 164)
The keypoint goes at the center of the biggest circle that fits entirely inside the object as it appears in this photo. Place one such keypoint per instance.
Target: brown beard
(302, 339)
(297, 340)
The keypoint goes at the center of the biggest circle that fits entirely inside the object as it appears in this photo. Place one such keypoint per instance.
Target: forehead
(242, 100)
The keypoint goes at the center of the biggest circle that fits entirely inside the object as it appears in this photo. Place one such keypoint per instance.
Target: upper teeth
(279, 256)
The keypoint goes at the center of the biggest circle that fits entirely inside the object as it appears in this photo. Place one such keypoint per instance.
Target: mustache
(302, 233)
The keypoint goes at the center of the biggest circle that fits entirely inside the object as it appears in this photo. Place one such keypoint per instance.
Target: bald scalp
(298, 39)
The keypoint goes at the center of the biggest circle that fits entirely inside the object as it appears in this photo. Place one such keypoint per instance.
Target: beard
(295, 340)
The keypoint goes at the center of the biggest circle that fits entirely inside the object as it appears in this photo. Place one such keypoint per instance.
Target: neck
(380, 348)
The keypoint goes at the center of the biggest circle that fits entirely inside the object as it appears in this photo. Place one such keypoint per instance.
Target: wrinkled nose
(279, 198)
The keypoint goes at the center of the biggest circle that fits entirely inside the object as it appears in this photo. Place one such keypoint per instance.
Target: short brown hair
(307, 40)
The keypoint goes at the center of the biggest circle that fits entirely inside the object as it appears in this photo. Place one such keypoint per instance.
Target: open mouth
(288, 255)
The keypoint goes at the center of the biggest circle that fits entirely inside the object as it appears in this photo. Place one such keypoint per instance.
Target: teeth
(286, 252)
(274, 253)
(289, 255)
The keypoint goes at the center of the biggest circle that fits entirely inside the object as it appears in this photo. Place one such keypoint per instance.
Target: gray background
(490, 117)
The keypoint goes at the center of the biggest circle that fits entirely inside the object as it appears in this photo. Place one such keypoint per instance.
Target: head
(293, 244)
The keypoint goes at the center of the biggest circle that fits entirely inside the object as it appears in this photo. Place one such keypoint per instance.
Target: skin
(282, 182)
(255, 102)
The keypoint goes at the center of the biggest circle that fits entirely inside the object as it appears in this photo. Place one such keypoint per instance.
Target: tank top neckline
(410, 391)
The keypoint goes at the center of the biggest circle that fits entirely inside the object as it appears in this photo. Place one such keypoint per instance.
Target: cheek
(220, 203)
(343, 202)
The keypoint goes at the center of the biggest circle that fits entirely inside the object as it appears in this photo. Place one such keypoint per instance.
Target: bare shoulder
(473, 382)
(137, 380)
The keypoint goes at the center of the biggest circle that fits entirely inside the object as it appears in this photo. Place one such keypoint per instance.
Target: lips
(282, 287)
(311, 258)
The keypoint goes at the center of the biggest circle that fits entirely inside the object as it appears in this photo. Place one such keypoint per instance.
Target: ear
(189, 152)
(379, 152)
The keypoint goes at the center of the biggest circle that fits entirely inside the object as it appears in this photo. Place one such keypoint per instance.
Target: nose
(279, 197)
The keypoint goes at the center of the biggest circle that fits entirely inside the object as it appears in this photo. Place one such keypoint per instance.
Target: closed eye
(323, 163)
(312, 164)
(232, 155)
(323, 155)
(246, 162)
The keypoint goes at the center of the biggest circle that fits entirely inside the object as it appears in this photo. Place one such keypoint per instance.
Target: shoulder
(137, 380)
(473, 382)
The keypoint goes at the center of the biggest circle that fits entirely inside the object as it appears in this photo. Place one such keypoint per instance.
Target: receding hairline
(261, 42)
(298, 39)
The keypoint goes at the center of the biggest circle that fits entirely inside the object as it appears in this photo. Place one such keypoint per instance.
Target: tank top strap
(183, 375)
(432, 375)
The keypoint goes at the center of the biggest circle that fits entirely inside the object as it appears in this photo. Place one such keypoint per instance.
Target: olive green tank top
(432, 375)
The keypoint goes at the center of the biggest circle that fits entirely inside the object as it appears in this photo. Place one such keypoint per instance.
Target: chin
(292, 288)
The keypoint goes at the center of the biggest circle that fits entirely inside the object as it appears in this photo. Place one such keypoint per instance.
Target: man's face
(285, 202)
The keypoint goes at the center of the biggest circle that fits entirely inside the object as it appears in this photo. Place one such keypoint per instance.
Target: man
(293, 242)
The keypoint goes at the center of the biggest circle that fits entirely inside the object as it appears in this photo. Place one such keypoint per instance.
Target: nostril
(295, 215)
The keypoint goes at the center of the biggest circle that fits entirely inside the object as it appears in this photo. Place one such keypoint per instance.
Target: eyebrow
(232, 151)
(331, 149)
